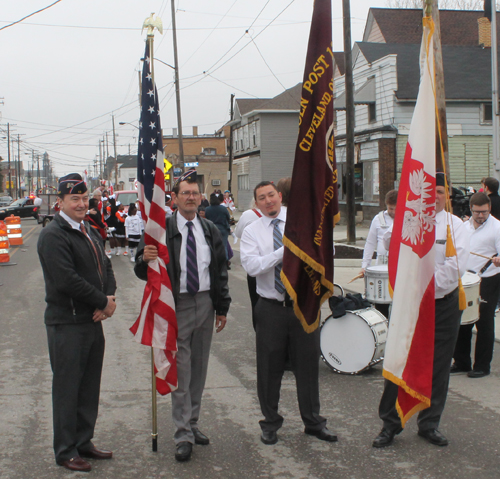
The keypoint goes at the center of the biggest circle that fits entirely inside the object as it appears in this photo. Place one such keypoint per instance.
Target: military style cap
(440, 179)
(190, 175)
(71, 184)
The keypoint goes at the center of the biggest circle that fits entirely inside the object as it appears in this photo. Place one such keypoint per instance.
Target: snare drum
(354, 342)
(471, 283)
(377, 284)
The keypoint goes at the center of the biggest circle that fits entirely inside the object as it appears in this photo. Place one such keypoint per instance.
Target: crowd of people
(81, 287)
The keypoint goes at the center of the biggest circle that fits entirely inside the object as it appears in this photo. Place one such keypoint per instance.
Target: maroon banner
(313, 205)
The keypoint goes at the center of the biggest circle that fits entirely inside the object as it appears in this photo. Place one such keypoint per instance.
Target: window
(209, 151)
(243, 182)
(486, 117)
(254, 134)
(372, 112)
(215, 182)
(371, 182)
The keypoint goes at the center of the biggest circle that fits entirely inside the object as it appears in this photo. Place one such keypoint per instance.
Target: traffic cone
(4, 244)
(14, 230)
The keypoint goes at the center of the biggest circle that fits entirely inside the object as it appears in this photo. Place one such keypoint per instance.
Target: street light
(127, 123)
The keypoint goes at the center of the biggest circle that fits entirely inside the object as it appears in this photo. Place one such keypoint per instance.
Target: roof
(287, 100)
(339, 59)
(467, 69)
(404, 25)
(127, 161)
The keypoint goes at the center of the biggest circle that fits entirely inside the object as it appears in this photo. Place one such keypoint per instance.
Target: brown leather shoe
(95, 453)
(76, 464)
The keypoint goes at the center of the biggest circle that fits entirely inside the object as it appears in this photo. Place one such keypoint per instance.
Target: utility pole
(37, 173)
(230, 172)
(19, 166)
(350, 123)
(100, 158)
(177, 88)
(494, 90)
(116, 157)
(8, 159)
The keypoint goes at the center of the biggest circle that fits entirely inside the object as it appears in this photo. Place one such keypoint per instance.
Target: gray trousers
(76, 353)
(446, 331)
(195, 320)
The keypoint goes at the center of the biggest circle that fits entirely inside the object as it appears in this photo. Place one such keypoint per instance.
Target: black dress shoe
(477, 373)
(76, 464)
(323, 434)
(457, 369)
(434, 437)
(269, 437)
(183, 451)
(385, 437)
(95, 453)
(199, 437)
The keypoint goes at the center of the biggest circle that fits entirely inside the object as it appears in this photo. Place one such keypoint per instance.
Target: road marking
(25, 237)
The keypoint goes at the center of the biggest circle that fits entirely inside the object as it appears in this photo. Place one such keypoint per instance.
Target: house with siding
(264, 139)
(386, 78)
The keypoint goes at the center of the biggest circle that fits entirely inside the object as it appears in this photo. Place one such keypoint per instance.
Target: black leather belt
(448, 296)
(287, 303)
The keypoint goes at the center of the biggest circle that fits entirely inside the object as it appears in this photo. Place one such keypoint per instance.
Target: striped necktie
(192, 280)
(278, 243)
(84, 231)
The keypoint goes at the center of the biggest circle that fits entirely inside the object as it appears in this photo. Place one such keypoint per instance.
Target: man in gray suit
(198, 273)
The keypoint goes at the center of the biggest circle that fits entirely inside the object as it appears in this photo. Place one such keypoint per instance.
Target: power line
(30, 15)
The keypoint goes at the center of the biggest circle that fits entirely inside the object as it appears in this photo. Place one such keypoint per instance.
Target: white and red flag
(409, 351)
(157, 323)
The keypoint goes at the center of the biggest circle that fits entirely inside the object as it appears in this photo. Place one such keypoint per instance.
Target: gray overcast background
(64, 71)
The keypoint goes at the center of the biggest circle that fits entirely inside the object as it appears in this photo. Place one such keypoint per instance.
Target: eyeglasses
(187, 194)
(483, 212)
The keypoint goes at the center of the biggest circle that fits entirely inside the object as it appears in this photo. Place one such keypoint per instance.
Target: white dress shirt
(485, 240)
(445, 271)
(258, 256)
(202, 253)
(72, 223)
(247, 217)
(374, 239)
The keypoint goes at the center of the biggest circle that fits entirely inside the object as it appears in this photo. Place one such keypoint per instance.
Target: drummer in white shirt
(380, 224)
(484, 240)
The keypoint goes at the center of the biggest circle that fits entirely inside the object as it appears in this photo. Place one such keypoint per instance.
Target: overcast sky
(64, 71)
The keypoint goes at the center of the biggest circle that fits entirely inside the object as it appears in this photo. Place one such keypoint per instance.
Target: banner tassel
(462, 299)
(450, 247)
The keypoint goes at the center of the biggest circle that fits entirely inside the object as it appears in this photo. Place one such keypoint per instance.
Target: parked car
(126, 197)
(23, 207)
(5, 200)
(47, 209)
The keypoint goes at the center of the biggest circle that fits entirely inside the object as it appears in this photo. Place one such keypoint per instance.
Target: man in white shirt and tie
(277, 328)
(484, 229)
(198, 273)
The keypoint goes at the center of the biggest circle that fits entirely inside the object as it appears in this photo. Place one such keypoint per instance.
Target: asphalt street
(230, 410)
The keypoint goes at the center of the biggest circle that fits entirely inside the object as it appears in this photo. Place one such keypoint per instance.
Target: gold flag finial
(150, 23)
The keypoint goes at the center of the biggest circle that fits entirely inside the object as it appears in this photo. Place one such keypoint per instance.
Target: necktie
(192, 280)
(278, 243)
(84, 231)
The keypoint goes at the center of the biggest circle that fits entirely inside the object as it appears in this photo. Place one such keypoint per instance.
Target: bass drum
(354, 342)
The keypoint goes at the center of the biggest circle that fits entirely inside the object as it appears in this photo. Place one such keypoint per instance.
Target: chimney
(195, 131)
(174, 132)
(484, 29)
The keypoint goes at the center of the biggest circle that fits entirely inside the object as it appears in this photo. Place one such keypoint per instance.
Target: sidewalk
(346, 269)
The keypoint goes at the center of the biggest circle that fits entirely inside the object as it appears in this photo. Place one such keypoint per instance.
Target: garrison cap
(71, 184)
(190, 175)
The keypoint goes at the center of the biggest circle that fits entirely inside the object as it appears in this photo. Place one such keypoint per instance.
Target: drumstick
(482, 256)
(356, 277)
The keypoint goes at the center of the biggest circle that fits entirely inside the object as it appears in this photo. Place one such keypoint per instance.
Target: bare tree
(443, 4)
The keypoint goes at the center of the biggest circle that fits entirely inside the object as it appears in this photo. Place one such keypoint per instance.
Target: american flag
(156, 326)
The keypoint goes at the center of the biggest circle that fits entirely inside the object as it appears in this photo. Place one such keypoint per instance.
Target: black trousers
(76, 354)
(485, 326)
(446, 330)
(254, 297)
(277, 331)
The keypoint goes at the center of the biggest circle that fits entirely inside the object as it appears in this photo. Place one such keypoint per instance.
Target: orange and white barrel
(14, 230)
(4, 244)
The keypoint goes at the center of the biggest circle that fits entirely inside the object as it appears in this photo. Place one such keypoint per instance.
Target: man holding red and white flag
(427, 256)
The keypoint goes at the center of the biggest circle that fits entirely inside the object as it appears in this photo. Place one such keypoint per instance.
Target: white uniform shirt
(374, 240)
(72, 223)
(485, 240)
(202, 253)
(247, 217)
(258, 256)
(133, 225)
(445, 271)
